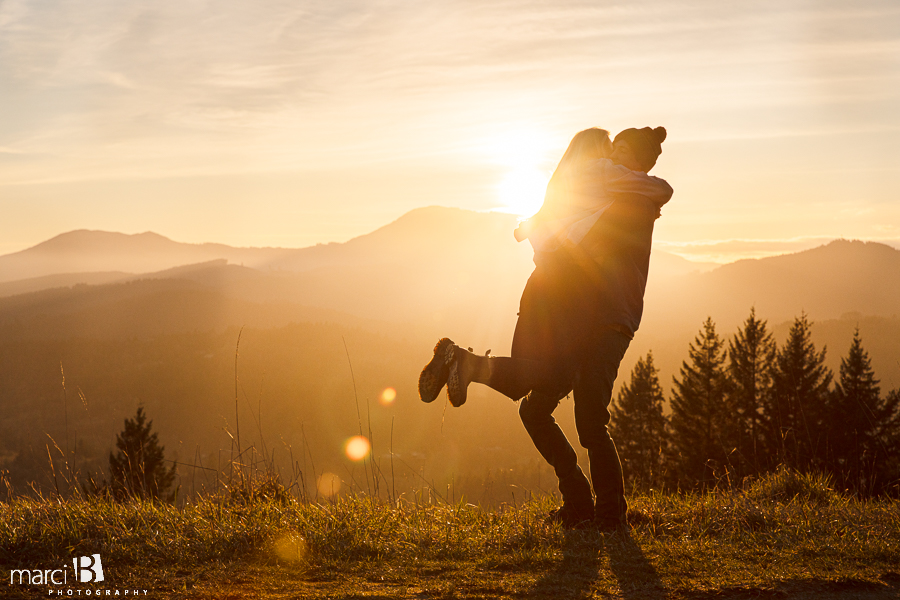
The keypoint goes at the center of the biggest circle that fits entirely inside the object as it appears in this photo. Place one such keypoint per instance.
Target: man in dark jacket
(612, 265)
(592, 293)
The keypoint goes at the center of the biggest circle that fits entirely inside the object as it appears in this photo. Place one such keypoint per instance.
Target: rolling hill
(166, 337)
(843, 276)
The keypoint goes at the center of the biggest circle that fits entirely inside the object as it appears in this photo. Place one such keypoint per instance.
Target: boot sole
(456, 391)
(434, 376)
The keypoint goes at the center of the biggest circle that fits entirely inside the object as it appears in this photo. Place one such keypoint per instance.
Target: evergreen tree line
(748, 407)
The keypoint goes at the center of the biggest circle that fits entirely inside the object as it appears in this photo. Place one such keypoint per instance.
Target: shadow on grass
(583, 569)
(888, 588)
(636, 576)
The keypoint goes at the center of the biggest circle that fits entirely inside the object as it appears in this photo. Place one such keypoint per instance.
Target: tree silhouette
(859, 425)
(699, 443)
(797, 408)
(888, 474)
(751, 355)
(639, 426)
(138, 467)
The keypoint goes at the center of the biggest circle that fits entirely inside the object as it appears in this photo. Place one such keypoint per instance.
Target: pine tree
(639, 426)
(889, 434)
(138, 467)
(858, 425)
(699, 442)
(796, 411)
(751, 356)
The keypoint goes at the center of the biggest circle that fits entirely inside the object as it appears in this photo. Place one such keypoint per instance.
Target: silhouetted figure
(578, 313)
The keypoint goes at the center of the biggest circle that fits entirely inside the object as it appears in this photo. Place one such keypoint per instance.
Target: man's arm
(604, 176)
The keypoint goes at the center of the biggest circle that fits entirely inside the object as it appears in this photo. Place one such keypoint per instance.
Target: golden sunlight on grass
(290, 547)
(787, 535)
(328, 484)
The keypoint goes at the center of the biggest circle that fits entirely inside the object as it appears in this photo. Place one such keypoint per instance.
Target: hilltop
(786, 536)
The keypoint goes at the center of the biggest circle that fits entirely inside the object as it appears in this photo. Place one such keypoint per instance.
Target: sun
(522, 154)
(521, 191)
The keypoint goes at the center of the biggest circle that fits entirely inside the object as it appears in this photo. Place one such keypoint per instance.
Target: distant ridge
(429, 230)
(36, 284)
(86, 240)
(85, 251)
(431, 258)
(446, 272)
(843, 276)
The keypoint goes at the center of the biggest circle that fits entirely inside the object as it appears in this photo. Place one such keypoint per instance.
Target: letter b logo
(88, 569)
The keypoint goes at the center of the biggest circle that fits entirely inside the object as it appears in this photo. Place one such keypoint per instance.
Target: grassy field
(788, 536)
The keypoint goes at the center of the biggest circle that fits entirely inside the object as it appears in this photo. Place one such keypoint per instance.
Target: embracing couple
(578, 314)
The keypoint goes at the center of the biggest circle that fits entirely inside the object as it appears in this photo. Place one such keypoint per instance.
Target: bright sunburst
(522, 153)
(521, 191)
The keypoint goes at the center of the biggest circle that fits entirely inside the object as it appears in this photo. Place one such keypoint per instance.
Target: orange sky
(289, 124)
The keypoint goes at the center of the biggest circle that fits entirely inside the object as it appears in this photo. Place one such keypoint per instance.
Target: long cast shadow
(635, 574)
(577, 575)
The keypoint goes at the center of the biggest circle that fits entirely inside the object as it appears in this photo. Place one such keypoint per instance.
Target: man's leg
(536, 411)
(606, 473)
(512, 377)
(593, 391)
(516, 377)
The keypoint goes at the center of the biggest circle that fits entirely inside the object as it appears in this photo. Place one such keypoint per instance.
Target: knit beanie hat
(645, 142)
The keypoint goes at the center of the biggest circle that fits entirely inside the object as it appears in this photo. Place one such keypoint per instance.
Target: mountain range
(141, 318)
(432, 269)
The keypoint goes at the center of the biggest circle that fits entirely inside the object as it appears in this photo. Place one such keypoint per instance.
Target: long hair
(590, 144)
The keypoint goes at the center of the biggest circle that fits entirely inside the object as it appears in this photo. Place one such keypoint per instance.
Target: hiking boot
(465, 368)
(570, 517)
(434, 376)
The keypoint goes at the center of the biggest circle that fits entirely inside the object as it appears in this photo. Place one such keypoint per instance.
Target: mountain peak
(92, 241)
(434, 225)
(845, 245)
(87, 251)
(841, 251)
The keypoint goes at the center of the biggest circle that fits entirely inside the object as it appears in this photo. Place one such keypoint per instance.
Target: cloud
(767, 103)
(274, 84)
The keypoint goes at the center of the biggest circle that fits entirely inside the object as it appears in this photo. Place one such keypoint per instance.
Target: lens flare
(290, 547)
(388, 396)
(357, 448)
(329, 484)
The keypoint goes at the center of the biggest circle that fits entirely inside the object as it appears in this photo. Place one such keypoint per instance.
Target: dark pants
(560, 347)
(592, 392)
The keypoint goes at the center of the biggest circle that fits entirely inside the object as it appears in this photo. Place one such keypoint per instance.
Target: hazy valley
(142, 319)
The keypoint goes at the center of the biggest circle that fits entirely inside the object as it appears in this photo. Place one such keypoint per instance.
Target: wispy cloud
(319, 82)
(122, 89)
